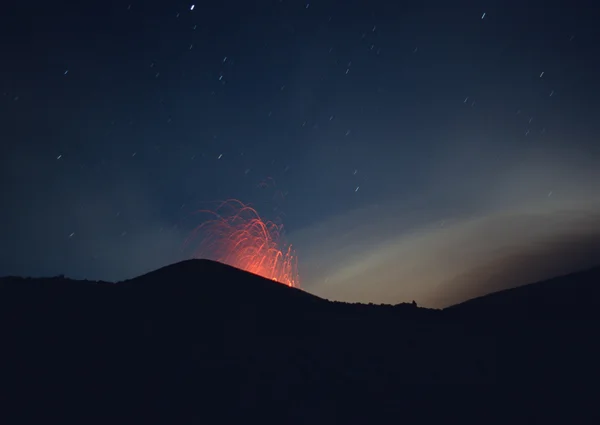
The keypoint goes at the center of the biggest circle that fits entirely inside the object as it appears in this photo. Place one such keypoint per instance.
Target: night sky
(430, 150)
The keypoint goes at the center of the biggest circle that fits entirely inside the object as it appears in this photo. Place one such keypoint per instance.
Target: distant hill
(201, 342)
(576, 295)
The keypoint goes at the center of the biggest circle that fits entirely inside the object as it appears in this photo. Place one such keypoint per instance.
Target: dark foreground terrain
(202, 343)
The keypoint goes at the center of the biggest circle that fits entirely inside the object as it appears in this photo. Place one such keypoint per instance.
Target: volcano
(203, 342)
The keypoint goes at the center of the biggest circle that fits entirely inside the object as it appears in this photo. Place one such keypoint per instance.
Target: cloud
(439, 249)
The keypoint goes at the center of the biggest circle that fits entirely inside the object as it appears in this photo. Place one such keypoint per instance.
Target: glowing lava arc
(238, 236)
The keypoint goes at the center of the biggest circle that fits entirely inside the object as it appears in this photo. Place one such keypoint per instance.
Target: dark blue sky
(119, 118)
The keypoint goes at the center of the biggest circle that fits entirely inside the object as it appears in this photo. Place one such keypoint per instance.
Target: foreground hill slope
(201, 342)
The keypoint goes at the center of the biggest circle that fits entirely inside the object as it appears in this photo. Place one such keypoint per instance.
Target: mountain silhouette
(576, 295)
(202, 342)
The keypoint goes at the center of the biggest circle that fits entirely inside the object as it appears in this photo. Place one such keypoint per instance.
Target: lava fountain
(238, 236)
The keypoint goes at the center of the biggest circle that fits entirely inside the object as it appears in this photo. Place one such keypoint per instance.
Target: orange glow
(238, 236)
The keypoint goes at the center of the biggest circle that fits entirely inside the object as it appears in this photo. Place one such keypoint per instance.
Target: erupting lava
(238, 236)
